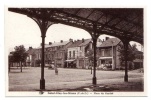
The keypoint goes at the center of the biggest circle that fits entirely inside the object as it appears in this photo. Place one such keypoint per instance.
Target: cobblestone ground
(73, 79)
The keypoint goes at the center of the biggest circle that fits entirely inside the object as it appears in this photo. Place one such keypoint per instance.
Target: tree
(10, 60)
(131, 52)
(11, 57)
(20, 55)
(90, 55)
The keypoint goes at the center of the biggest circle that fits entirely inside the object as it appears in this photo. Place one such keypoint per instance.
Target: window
(57, 54)
(110, 50)
(102, 52)
(52, 56)
(61, 54)
(49, 56)
(69, 54)
(80, 48)
(45, 56)
(37, 56)
(73, 54)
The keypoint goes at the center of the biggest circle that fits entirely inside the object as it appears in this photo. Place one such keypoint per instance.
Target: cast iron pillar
(94, 62)
(43, 25)
(94, 36)
(125, 43)
(42, 80)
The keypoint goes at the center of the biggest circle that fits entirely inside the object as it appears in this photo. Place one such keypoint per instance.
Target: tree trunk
(21, 66)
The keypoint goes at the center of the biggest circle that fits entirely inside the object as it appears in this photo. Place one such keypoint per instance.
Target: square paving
(74, 79)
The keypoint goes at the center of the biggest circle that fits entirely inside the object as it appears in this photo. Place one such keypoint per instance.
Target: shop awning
(138, 60)
(70, 60)
(105, 58)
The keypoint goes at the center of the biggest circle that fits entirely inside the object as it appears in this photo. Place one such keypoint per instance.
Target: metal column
(125, 57)
(42, 80)
(94, 36)
(43, 35)
(43, 25)
(94, 62)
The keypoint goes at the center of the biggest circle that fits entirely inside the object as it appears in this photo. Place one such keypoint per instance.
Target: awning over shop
(70, 60)
(105, 58)
(137, 60)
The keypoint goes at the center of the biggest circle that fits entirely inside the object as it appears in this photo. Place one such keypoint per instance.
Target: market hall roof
(118, 22)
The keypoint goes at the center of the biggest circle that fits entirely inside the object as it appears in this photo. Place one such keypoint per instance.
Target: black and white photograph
(75, 51)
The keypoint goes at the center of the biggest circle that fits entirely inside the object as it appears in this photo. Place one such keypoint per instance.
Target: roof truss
(119, 22)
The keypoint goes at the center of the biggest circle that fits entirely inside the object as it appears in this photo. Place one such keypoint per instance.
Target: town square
(74, 80)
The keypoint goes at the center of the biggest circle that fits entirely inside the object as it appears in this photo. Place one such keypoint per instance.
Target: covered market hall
(123, 23)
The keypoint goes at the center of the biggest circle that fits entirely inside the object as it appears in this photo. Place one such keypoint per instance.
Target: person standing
(56, 70)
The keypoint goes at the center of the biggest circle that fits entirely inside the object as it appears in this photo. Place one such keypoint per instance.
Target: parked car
(47, 65)
(105, 67)
(51, 66)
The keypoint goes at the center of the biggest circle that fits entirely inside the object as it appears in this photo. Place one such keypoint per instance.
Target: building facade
(72, 54)
(138, 62)
(33, 57)
(54, 53)
(109, 55)
(76, 57)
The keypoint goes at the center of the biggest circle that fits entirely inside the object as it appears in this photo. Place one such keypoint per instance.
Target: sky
(22, 30)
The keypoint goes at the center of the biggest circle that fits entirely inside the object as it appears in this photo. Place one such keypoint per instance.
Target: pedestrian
(56, 70)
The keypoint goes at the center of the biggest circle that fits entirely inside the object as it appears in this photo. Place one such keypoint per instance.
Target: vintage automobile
(51, 66)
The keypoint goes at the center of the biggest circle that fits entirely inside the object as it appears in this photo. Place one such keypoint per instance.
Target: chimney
(82, 40)
(71, 40)
(106, 38)
(30, 48)
(61, 41)
(50, 43)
